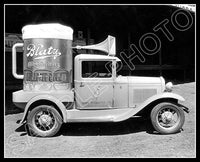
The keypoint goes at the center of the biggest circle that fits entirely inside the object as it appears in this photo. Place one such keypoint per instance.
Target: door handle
(99, 87)
(82, 85)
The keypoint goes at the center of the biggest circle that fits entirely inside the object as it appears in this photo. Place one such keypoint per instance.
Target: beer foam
(50, 30)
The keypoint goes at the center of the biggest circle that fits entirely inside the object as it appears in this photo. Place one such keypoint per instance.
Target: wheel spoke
(167, 117)
(44, 120)
(174, 121)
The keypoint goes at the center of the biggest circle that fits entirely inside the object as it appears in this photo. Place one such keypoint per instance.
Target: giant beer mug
(47, 57)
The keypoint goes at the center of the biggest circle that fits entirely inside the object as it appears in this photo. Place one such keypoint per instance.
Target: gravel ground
(131, 138)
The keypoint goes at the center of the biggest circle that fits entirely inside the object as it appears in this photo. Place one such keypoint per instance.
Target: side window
(96, 69)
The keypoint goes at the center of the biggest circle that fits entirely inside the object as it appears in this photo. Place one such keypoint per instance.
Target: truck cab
(94, 80)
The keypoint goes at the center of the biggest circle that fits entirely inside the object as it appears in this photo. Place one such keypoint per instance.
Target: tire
(163, 115)
(44, 121)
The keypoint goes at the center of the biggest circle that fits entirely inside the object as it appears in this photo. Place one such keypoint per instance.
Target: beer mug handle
(14, 61)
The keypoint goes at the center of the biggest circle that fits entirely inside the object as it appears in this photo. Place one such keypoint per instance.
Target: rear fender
(50, 98)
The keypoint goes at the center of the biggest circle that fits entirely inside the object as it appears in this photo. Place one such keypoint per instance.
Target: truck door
(94, 89)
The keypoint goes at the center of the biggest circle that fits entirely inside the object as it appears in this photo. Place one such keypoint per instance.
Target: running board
(105, 115)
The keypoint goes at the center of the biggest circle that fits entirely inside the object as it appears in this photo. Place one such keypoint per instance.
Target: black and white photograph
(99, 80)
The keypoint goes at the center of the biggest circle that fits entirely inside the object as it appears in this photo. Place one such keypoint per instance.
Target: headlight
(168, 87)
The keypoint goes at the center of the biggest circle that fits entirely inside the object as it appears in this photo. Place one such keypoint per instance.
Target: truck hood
(140, 80)
(145, 80)
(158, 81)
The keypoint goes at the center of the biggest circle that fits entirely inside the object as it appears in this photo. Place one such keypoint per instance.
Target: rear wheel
(44, 121)
(167, 118)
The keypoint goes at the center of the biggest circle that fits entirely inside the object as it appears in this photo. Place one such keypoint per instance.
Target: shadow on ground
(132, 125)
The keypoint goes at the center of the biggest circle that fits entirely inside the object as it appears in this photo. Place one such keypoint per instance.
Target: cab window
(96, 69)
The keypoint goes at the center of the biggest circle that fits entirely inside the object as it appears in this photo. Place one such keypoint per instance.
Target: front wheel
(167, 118)
(44, 121)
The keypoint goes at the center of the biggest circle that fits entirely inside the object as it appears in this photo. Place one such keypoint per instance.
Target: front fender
(165, 95)
(45, 97)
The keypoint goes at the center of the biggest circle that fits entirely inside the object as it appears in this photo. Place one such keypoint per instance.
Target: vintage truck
(95, 93)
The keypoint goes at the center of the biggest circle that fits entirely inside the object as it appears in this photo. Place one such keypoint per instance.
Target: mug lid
(49, 30)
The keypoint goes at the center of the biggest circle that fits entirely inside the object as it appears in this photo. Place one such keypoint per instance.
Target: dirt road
(131, 138)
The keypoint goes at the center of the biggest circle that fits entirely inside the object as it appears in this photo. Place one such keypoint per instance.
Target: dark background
(175, 61)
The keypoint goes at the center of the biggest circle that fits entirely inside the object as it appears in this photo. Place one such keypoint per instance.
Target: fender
(45, 97)
(165, 95)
